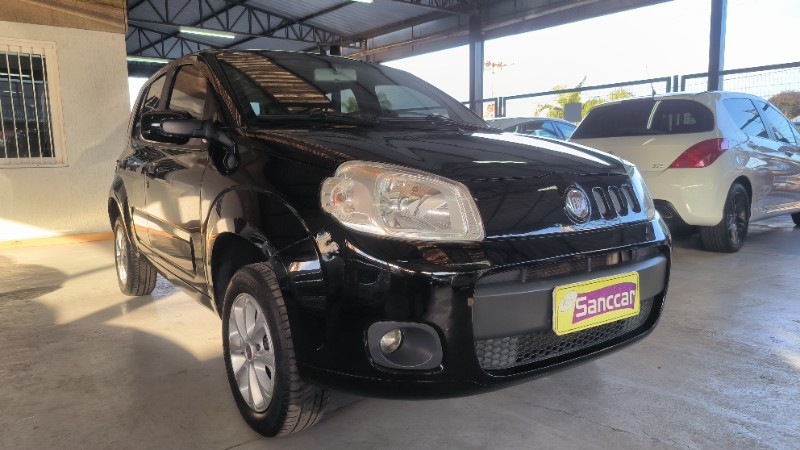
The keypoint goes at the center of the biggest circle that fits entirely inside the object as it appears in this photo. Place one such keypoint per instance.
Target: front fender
(119, 195)
(258, 216)
(258, 226)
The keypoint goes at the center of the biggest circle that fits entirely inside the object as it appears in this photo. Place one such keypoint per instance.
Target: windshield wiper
(435, 120)
(317, 116)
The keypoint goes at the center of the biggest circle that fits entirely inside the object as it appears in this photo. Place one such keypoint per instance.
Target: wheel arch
(118, 207)
(246, 226)
(748, 186)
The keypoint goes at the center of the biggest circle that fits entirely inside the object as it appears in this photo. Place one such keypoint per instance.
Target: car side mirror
(177, 128)
(152, 126)
(193, 128)
(186, 128)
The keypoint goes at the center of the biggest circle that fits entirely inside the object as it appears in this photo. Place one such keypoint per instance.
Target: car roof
(505, 122)
(702, 97)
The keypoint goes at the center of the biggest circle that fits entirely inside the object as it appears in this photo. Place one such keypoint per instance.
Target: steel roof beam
(303, 19)
(135, 5)
(257, 21)
(461, 7)
(163, 43)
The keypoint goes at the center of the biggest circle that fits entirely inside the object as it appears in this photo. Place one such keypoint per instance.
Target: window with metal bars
(30, 125)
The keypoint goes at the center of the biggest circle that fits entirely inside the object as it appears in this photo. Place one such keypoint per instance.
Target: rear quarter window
(646, 117)
(745, 115)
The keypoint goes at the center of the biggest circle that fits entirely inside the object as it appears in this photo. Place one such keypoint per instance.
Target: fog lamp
(391, 341)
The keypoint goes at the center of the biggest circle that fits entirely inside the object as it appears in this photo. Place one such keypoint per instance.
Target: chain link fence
(552, 103)
(763, 81)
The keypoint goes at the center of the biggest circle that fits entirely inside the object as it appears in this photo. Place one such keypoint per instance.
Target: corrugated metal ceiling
(380, 30)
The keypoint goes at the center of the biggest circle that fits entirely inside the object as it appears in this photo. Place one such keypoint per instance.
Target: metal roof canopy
(379, 31)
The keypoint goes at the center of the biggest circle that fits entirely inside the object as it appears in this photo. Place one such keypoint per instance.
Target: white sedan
(716, 160)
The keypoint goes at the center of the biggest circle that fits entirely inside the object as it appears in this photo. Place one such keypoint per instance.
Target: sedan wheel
(259, 356)
(728, 235)
(251, 353)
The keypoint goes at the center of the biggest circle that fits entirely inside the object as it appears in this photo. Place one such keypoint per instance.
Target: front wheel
(259, 357)
(796, 218)
(728, 235)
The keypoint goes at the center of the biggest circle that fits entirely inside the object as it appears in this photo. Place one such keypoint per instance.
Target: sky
(661, 40)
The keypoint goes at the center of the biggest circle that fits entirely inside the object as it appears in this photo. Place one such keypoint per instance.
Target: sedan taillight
(701, 154)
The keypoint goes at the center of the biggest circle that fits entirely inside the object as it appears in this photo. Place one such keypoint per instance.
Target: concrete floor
(83, 366)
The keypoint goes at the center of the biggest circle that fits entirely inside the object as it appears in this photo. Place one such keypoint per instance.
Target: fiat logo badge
(577, 205)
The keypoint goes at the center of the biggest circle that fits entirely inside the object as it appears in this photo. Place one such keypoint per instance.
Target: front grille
(509, 352)
(615, 201)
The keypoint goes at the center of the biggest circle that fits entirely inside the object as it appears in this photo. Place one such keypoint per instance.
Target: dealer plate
(592, 303)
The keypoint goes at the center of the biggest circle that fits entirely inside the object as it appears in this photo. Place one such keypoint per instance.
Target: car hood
(461, 156)
(518, 182)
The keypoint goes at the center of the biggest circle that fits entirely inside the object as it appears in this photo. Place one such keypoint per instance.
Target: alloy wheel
(121, 254)
(736, 219)
(252, 355)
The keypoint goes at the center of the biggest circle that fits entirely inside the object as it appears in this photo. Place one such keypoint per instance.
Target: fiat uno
(357, 229)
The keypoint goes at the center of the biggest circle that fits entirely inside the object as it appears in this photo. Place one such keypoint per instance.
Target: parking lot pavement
(83, 366)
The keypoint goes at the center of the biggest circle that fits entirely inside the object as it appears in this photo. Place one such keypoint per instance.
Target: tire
(728, 235)
(254, 301)
(135, 275)
(796, 219)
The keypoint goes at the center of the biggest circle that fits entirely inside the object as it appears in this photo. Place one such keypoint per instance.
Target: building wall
(97, 15)
(50, 201)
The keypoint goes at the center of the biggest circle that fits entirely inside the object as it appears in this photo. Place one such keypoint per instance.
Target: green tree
(557, 110)
(788, 102)
(350, 105)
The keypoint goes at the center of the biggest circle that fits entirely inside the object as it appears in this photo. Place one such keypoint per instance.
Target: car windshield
(274, 86)
(645, 117)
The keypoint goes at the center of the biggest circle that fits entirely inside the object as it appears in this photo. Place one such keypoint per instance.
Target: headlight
(641, 190)
(388, 200)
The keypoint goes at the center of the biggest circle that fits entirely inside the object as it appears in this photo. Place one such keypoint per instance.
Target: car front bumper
(486, 306)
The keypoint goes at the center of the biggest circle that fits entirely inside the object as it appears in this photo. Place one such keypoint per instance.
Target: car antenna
(652, 89)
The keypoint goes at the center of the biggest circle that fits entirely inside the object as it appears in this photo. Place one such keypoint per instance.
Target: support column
(475, 65)
(716, 47)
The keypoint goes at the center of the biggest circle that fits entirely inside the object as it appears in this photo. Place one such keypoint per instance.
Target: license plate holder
(588, 304)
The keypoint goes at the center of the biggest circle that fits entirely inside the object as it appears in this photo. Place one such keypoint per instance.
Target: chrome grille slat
(615, 201)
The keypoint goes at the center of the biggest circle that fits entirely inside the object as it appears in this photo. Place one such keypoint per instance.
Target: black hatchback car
(357, 229)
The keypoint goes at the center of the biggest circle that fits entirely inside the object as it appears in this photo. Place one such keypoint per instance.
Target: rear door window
(566, 129)
(646, 117)
(550, 130)
(746, 117)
